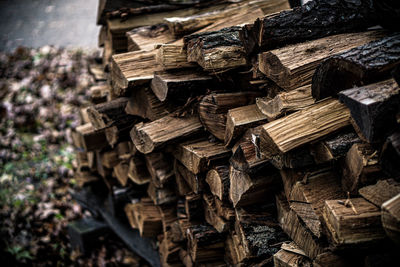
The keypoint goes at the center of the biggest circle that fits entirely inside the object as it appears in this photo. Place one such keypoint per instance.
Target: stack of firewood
(276, 142)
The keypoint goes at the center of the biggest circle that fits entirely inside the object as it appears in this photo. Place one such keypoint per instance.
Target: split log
(183, 187)
(216, 50)
(161, 196)
(293, 66)
(195, 182)
(106, 6)
(373, 108)
(148, 218)
(303, 126)
(129, 209)
(104, 114)
(137, 171)
(197, 156)
(286, 102)
(239, 120)
(211, 216)
(391, 218)
(380, 192)
(120, 128)
(179, 86)
(356, 67)
(296, 230)
(246, 155)
(307, 197)
(173, 56)
(169, 253)
(99, 93)
(109, 159)
(361, 168)
(160, 168)
(390, 156)
(194, 207)
(132, 69)
(246, 189)
(147, 37)
(125, 150)
(218, 180)
(353, 222)
(152, 135)
(285, 258)
(293, 26)
(91, 139)
(214, 107)
(121, 172)
(144, 103)
(224, 209)
(205, 244)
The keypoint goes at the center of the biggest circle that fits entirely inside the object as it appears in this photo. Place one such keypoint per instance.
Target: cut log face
(293, 26)
(178, 86)
(353, 222)
(132, 69)
(148, 218)
(173, 56)
(121, 172)
(293, 66)
(147, 37)
(391, 218)
(211, 216)
(391, 155)
(373, 108)
(216, 50)
(89, 138)
(304, 126)
(358, 66)
(138, 172)
(198, 155)
(285, 258)
(149, 136)
(246, 189)
(239, 120)
(285, 102)
(214, 107)
(361, 167)
(218, 180)
(119, 129)
(195, 182)
(160, 168)
(381, 191)
(161, 196)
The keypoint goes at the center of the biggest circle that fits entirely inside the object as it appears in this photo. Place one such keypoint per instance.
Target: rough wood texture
(173, 56)
(358, 66)
(132, 69)
(246, 189)
(147, 37)
(361, 167)
(182, 186)
(373, 108)
(161, 196)
(381, 191)
(151, 135)
(324, 17)
(104, 114)
(304, 126)
(120, 128)
(390, 156)
(147, 217)
(89, 138)
(195, 182)
(218, 180)
(356, 223)
(307, 197)
(121, 172)
(205, 244)
(239, 120)
(194, 207)
(137, 171)
(99, 93)
(285, 258)
(286, 102)
(160, 168)
(197, 156)
(297, 231)
(211, 216)
(293, 66)
(216, 50)
(391, 218)
(180, 85)
(214, 107)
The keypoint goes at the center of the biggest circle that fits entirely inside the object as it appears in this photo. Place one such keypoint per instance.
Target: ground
(41, 91)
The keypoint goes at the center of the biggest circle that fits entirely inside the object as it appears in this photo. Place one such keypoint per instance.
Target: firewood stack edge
(247, 133)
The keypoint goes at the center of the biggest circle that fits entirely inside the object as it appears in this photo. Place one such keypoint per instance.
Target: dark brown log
(144, 103)
(119, 129)
(316, 19)
(224, 209)
(194, 207)
(148, 218)
(99, 93)
(390, 156)
(361, 168)
(214, 107)
(199, 155)
(356, 67)
(151, 135)
(125, 150)
(218, 180)
(285, 258)
(353, 222)
(195, 182)
(121, 172)
(161, 196)
(104, 114)
(391, 218)
(380, 192)
(179, 86)
(109, 159)
(373, 108)
(160, 167)
(246, 189)
(90, 139)
(138, 172)
(146, 37)
(169, 253)
(183, 187)
(329, 259)
(211, 216)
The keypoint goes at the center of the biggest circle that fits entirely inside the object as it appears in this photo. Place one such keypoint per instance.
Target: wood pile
(253, 134)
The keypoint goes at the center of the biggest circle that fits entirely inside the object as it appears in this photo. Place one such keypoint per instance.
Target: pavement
(35, 23)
